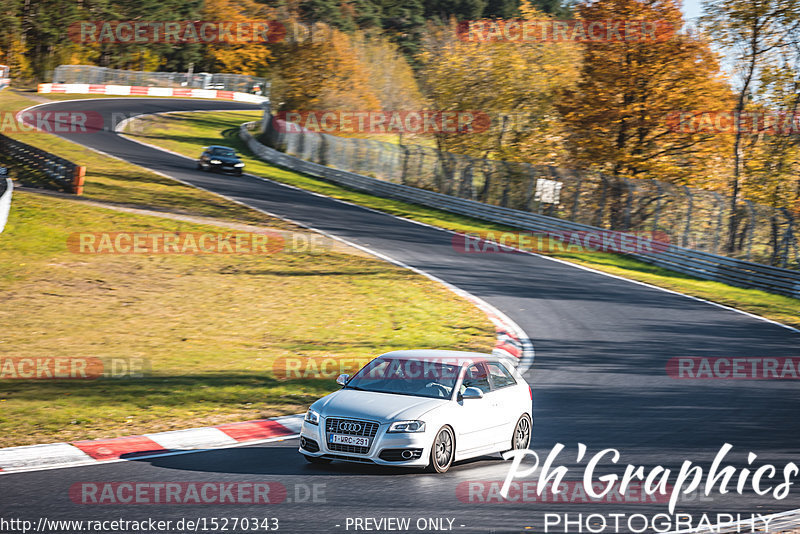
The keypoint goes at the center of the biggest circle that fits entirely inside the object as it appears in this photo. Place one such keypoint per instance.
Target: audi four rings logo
(349, 427)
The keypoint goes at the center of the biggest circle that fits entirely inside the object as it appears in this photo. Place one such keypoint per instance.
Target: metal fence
(701, 264)
(6, 187)
(64, 173)
(692, 218)
(201, 80)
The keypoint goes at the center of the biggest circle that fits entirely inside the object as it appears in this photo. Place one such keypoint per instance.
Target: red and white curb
(57, 455)
(134, 90)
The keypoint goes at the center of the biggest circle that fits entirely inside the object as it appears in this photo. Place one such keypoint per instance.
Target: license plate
(357, 441)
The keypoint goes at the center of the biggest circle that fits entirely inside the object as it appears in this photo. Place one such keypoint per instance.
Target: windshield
(419, 378)
(226, 152)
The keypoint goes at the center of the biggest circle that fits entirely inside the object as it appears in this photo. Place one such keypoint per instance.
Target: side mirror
(472, 393)
(342, 379)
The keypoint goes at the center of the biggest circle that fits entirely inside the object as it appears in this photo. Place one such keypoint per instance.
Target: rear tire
(523, 432)
(443, 451)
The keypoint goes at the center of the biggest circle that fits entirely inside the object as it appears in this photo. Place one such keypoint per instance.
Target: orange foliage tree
(618, 116)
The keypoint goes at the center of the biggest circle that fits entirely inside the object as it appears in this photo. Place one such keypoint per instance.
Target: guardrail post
(750, 227)
(77, 179)
(688, 227)
(721, 204)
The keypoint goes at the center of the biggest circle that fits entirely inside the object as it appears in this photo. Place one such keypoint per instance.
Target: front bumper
(417, 441)
(223, 167)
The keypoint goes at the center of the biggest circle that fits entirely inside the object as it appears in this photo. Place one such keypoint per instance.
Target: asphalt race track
(601, 344)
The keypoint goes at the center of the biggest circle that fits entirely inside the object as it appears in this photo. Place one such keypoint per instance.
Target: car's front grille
(350, 427)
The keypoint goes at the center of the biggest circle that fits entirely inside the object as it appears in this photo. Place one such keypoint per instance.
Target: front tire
(443, 451)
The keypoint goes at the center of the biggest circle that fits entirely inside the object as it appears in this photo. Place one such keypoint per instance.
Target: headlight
(407, 426)
(312, 417)
(215, 162)
(239, 165)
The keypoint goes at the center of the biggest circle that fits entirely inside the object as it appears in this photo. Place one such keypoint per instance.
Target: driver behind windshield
(407, 377)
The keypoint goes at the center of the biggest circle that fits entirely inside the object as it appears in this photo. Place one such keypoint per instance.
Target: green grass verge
(210, 326)
(187, 132)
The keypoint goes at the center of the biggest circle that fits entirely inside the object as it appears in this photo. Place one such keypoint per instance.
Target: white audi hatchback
(421, 408)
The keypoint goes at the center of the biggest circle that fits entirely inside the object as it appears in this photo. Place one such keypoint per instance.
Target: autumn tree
(322, 71)
(389, 75)
(516, 84)
(237, 58)
(755, 32)
(629, 87)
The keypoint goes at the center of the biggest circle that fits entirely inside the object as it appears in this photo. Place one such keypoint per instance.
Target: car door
(505, 400)
(475, 421)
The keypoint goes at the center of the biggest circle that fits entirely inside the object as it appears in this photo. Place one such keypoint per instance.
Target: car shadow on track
(281, 460)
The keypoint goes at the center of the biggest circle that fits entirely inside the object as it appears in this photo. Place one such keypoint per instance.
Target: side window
(476, 376)
(500, 376)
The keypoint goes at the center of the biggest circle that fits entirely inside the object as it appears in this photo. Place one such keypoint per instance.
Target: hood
(375, 406)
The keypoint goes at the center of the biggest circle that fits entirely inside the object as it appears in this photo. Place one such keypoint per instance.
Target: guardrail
(700, 264)
(66, 174)
(6, 187)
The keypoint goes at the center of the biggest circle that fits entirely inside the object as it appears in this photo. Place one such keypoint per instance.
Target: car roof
(219, 146)
(448, 355)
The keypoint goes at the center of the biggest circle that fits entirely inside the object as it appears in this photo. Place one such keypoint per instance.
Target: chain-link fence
(202, 80)
(692, 218)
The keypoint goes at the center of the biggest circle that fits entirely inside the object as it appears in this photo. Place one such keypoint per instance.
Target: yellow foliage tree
(515, 83)
(618, 115)
(237, 58)
(322, 73)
